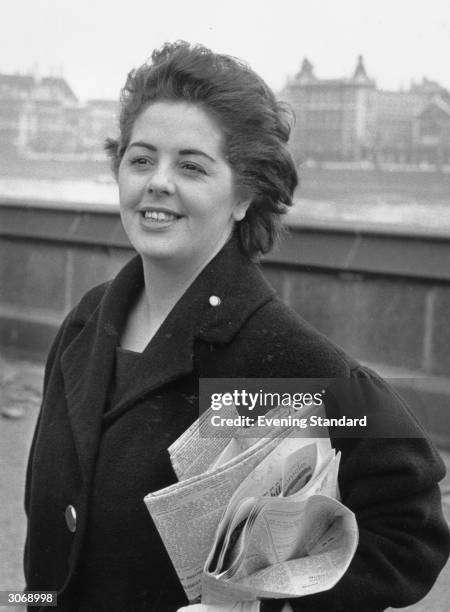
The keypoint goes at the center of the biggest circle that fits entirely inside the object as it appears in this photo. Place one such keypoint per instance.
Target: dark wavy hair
(255, 125)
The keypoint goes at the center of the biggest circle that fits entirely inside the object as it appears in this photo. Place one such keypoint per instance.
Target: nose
(160, 181)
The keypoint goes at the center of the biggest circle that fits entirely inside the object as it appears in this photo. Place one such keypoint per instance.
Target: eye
(192, 168)
(140, 161)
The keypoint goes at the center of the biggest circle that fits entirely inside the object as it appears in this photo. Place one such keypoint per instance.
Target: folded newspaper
(254, 518)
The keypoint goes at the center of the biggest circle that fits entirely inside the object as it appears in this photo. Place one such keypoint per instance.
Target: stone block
(440, 338)
(89, 267)
(30, 339)
(32, 274)
(396, 323)
(275, 276)
(374, 320)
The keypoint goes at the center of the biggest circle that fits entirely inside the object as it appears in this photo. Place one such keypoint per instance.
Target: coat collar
(88, 362)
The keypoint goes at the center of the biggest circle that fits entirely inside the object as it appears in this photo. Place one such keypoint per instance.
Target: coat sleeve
(391, 485)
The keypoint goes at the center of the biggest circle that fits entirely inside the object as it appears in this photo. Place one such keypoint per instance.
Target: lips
(156, 215)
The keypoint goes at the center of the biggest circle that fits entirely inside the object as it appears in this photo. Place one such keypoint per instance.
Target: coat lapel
(88, 362)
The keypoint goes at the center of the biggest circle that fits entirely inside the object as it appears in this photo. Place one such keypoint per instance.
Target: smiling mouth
(160, 216)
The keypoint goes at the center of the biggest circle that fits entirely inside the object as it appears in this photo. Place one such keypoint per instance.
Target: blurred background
(367, 256)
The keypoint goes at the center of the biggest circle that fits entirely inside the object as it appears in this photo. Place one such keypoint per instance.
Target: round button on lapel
(214, 300)
(71, 518)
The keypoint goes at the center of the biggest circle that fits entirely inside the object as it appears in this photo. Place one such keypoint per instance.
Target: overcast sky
(94, 43)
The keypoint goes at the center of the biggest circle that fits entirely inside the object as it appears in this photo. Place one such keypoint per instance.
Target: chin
(159, 254)
(156, 254)
(152, 247)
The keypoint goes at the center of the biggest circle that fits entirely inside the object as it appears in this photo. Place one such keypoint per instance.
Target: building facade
(349, 119)
(44, 117)
(431, 129)
(54, 118)
(99, 123)
(16, 93)
(345, 119)
(334, 117)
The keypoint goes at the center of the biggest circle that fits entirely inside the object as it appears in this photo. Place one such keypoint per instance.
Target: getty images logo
(241, 398)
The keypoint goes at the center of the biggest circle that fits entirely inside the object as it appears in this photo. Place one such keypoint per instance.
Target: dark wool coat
(103, 465)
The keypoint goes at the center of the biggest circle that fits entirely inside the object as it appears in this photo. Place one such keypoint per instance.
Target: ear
(240, 208)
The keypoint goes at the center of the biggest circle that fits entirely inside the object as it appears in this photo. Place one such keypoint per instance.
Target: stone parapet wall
(382, 296)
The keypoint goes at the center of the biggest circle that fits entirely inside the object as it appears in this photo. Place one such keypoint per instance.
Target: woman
(204, 175)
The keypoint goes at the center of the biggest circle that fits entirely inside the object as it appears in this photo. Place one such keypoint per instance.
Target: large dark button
(71, 518)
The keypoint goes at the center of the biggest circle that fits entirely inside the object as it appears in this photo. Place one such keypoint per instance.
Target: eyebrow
(150, 147)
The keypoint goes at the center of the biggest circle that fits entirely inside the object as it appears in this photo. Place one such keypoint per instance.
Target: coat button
(71, 518)
(214, 300)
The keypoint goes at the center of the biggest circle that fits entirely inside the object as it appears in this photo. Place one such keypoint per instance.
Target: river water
(386, 209)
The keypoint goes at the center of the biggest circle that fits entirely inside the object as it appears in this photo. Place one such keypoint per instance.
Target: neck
(163, 288)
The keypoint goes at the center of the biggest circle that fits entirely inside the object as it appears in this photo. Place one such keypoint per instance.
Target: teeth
(158, 216)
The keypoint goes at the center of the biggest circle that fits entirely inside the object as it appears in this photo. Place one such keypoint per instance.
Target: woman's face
(178, 199)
